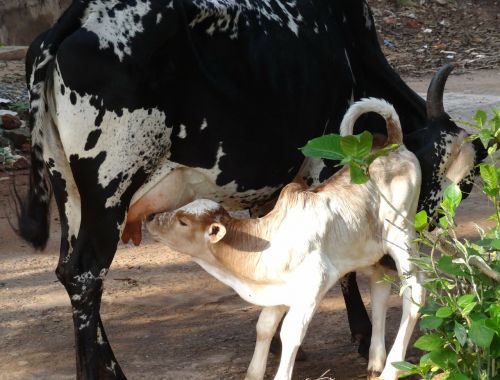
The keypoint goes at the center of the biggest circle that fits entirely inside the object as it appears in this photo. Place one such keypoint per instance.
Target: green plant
(461, 317)
(19, 107)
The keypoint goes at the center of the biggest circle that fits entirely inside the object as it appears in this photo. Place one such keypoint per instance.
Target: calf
(288, 259)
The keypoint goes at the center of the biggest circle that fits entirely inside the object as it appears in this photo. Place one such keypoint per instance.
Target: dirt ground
(167, 318)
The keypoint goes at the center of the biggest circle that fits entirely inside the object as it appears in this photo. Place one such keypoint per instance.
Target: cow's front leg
(359, 322)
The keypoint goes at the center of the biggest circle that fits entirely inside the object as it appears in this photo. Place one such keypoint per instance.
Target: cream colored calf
(287, 260)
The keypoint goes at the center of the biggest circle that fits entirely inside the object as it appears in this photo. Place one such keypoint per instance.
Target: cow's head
(441, 147)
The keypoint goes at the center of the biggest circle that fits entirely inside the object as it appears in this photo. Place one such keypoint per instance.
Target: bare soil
(165, 317)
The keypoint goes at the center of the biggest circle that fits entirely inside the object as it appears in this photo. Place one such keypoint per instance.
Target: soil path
(167, 318)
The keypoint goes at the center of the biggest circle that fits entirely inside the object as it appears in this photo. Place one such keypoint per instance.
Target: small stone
(26, 148)
(10, 122)
(4, 142)
(412, 24)
(20, 163)
(18, 137)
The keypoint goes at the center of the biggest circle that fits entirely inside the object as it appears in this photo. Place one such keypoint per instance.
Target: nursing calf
(290, 258)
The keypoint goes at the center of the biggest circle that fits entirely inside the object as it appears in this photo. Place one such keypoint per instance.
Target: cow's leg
(359, 321)
(380, 292)
(89, 237)
(267, 324)
(82, 274)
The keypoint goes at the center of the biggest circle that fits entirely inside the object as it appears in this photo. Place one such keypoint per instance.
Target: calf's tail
(380, 106)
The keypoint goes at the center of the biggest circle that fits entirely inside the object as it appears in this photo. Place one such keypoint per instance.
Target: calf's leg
(380, 292)
(413, 296)
(267, 324)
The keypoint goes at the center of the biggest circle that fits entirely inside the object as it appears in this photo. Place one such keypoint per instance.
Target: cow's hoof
(373, 375)
(276, 350)
(364, 345)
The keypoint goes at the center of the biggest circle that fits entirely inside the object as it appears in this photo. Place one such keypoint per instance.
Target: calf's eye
(182, 223)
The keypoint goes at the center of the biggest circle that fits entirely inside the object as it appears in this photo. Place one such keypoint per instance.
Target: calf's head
(441, 147)
(190, 229)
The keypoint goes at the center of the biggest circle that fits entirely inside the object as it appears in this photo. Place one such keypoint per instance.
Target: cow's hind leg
(88, 244)
(82, 275)
(359, 321)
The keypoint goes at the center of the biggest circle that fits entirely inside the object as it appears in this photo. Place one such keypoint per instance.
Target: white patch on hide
(111, 29)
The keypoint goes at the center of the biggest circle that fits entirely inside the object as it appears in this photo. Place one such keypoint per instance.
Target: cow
(124, 94)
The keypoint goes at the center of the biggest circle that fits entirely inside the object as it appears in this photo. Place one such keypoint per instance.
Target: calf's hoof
(373, 375)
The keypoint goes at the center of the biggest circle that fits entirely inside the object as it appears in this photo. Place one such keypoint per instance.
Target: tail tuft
(33, 214)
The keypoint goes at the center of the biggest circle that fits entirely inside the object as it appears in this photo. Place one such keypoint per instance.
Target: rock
(20, 163)
(10, 122)
(412, 24)
(11, 160)
(13, 53)
(26, 148)
(8, 112)
(18, 137)
(4, 143)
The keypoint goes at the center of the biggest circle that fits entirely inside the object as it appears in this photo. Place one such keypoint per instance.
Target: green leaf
(421, 221)
(485, 136)
(444, 358)
(467, 309)
(381, 152)
(451, 198)
(444, 312)
(430, 322)
(447, 265)
(358, 175)
(429, 342)
(456, 375)
(465, 300)
(327, 146)
(495, 244)
(365, 144)
(443, 222)
(405, 366)
(460, 333)
(480, 117)
(492, 149)
(489, 175)
(495, 347)
(480, 334)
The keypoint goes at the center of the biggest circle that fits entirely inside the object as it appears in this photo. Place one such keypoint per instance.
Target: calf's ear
(216, 232)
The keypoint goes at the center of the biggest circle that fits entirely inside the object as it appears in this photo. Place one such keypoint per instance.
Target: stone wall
(22, 20)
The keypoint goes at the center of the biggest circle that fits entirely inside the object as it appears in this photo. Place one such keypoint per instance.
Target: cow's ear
(216, 232)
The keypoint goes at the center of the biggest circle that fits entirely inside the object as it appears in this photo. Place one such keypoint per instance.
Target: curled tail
(383, 108)
(33, 212)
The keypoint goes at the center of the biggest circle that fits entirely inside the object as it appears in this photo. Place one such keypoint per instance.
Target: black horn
(435, 92)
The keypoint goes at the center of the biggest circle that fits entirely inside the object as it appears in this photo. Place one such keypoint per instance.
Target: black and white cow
(126, 94)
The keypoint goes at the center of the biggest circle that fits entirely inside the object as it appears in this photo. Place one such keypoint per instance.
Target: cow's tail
(33, 212)
(383, 108)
